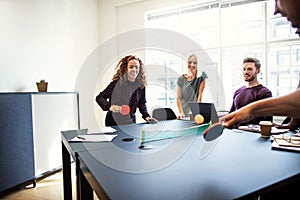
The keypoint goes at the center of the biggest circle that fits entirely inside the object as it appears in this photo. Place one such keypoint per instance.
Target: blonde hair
(195, 57)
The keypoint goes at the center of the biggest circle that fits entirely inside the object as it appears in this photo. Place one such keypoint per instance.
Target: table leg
(78, 181)
(86, 192)
(67, 180)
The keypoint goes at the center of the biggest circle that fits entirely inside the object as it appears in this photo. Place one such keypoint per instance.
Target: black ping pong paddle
(213, 132)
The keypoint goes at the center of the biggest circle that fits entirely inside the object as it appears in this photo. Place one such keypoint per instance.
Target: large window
(229, 31)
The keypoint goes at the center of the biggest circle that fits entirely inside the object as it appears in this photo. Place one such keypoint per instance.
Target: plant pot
(42, 87)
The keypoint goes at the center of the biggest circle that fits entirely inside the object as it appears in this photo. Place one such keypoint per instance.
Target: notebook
(207, 110)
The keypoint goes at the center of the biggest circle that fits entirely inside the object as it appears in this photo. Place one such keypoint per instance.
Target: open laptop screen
(207, 110)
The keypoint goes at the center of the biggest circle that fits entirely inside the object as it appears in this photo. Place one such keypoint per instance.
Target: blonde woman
(189, 87)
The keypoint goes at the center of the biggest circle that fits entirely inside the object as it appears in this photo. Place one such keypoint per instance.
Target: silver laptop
(207, 110)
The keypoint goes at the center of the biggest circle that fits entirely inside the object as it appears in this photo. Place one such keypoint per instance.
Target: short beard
(251, 79)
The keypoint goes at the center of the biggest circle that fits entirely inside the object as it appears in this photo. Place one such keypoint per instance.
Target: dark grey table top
(238, 164)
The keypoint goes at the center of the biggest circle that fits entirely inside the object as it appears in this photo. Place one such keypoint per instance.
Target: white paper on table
(256, 128)
(275, 145)
(93, 138)
(107, 129)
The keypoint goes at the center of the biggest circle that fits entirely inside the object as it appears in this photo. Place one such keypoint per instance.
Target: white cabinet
(51, 114)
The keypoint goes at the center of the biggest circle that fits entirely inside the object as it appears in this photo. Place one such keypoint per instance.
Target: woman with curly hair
(125, 93)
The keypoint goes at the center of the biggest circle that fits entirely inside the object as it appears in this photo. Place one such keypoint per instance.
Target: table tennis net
(152, 135)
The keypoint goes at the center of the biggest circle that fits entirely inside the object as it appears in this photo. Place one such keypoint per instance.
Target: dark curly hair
(121, 72)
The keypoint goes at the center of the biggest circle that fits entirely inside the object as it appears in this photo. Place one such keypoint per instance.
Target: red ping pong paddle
(125, 109)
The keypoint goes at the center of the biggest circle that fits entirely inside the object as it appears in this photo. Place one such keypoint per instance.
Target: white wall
(45, 39)
(53, 39)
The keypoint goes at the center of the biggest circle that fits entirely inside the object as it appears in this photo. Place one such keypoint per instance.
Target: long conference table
(238, 165)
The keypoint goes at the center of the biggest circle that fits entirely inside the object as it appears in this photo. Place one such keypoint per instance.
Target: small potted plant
(42, 85)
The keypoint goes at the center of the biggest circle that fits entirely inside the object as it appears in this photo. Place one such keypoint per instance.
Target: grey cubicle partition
(16, 140)
(30, 139)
